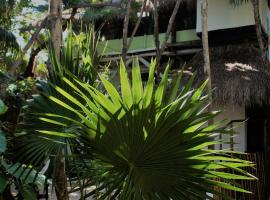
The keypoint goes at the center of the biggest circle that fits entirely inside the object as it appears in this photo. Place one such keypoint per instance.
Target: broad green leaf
(25, 174)
(3, 142)
(3, 108)
(28, 192)
(111, 91)
(3, 183)
(148, 92)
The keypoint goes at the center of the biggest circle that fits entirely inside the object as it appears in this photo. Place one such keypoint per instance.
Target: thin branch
(27, 46)
(170, 25)
(160, 50)
(137, 24)
(156, 34)
(34, 53)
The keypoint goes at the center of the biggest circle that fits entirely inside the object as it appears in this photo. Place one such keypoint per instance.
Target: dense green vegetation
(70, 121)
(133, 143)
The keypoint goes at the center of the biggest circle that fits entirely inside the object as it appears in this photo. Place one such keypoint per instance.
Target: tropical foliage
(3, 107)
(8, 42)
(143, 142)
(80, 60)
(19, 176)
(130, 140)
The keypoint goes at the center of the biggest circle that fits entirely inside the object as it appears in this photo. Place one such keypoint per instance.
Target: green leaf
(148, 92)
(3, 108)
(3, 142)
(160, 92)
(137, 86)
(28, 192)
(175, 89)
(228, 186)
(125, 85)
(55, 133)
(3, 183)
(25, 174)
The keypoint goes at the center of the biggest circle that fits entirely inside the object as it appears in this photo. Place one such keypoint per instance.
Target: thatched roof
(170, 3)
(237, 75)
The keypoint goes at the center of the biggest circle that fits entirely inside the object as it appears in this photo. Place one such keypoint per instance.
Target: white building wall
(264, 11)
(234, 113)
(223, 15)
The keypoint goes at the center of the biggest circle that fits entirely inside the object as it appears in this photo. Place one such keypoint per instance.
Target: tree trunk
(125, 32)
(61, 178)
(29, 69)
(18, 62)
(258, 26)
(55, 10)
(205, 43)
(156, 36)
(206, 56)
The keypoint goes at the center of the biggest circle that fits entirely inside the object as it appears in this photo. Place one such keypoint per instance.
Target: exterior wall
(264, 10)
(223, 15)
(143, 43)
(234, 113)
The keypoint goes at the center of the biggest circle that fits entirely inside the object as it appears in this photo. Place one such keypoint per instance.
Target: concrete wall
(223, 15)
(234, 113)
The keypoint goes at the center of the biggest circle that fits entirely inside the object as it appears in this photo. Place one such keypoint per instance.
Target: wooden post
(156, 35)
(258, 26)
(206, 56)
(125, 32)
(55, 10)
(205, 42)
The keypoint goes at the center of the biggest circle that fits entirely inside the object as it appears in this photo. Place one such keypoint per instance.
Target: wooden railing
(260, 188)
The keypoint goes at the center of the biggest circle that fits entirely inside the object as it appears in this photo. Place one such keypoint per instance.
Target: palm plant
(79, 56)
(7, 41)
(17, 175)
(140, 143)
(9, 46)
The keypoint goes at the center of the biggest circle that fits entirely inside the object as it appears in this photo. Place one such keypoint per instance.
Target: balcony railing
(146, 42)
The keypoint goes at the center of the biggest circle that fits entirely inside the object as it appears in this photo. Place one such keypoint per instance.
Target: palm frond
(8, 41)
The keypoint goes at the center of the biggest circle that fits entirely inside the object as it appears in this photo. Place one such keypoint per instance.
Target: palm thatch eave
(238, 75)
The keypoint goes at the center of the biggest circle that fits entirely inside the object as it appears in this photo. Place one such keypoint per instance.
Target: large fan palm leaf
(145, 142)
